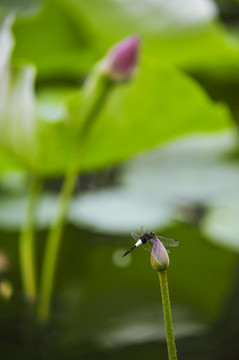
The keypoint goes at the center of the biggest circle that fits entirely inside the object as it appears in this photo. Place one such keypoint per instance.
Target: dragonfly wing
(143, 230)
(167, 241)
(148, 246)
(135, 236)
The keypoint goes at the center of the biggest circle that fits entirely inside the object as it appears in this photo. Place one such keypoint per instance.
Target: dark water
(103, 309)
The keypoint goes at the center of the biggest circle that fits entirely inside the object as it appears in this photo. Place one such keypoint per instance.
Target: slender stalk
(27, 243)
(172, 353)
(52, 248)
(96, 93)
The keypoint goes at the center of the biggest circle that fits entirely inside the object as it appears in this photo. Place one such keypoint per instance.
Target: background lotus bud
(159, 256)
(121, 60)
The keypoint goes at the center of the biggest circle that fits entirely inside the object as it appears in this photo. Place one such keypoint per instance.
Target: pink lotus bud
(121, 60)
(159, 256)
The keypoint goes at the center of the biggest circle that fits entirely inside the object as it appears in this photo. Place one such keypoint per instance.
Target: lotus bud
(159, 256)
(120, 62)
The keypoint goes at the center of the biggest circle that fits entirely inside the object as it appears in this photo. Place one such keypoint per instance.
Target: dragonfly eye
(153, 233)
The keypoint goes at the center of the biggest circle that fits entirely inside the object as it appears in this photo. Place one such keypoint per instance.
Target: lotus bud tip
(121, 60)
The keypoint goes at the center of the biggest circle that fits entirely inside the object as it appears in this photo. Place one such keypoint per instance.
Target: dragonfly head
(152, 234)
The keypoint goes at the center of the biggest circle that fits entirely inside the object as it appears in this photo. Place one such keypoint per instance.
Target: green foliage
(172, 99)
(182, 33)
(47, 52)
(159, 104)
(175, 105)
(58, 51)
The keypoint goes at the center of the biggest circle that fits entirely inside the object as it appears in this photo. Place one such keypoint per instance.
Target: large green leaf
(111, 20)
(7, 162)
(160, 103)
(70, 35)
(185, 33)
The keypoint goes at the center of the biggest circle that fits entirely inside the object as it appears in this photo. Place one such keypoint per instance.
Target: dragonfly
(150, 238)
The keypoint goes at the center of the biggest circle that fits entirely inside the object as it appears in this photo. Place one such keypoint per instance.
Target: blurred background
(163, 154)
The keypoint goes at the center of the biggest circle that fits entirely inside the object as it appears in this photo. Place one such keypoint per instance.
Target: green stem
(27, 243)
(172, 353)
(52, 248)
(96, 92)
